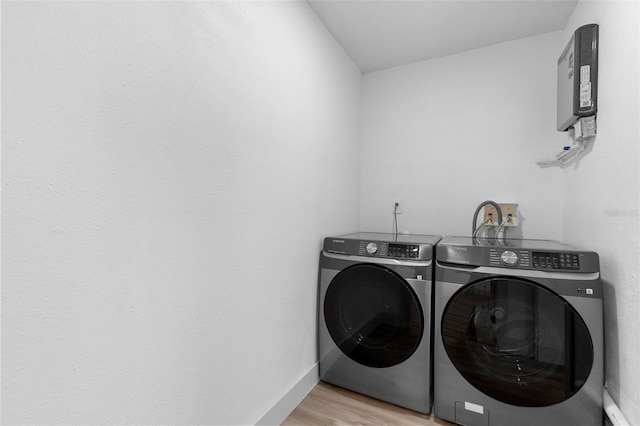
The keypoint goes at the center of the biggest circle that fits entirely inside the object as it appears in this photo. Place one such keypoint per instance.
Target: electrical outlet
(396, 206)
(509, 214)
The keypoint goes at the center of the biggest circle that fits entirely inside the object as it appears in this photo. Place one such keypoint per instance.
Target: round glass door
(517, 341)
(373, 315)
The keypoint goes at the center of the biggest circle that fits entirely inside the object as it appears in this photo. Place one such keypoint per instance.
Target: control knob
(372, 248)
(509, 258)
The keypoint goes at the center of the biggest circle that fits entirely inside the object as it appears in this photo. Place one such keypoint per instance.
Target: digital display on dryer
(404, 251)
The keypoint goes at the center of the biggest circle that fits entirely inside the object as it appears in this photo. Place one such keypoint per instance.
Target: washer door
(373, 315)
(517, 341)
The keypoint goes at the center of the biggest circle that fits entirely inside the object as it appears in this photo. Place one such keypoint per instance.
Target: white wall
(601, 192)
(446, 134)
(169, 171)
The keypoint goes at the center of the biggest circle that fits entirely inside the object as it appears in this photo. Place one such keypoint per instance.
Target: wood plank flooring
(331, 405)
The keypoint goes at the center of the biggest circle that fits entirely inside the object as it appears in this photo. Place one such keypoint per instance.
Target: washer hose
(475, 216)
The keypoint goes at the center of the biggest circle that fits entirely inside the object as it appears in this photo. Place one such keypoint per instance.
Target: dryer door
(517, 341)
(373, 315)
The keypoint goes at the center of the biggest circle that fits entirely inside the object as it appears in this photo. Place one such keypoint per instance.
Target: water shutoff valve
(509, 214)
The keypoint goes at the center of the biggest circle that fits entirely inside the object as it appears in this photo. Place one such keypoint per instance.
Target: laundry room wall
(444, 135)
(169, 170)
(601, 191)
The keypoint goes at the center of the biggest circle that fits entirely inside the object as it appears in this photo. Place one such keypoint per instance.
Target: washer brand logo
(338, 241)
(585, 291)
(459, 248)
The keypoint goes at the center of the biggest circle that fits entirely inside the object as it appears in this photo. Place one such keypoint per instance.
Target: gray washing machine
(374, 316)
(518, 338)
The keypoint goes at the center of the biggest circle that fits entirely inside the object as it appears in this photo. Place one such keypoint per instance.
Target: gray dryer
(374, 316)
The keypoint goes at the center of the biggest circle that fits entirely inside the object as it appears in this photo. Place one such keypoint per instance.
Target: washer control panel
(563, 261)
(538, 255)
(534, 260)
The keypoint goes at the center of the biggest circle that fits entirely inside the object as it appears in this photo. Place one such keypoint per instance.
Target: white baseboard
(291, 399)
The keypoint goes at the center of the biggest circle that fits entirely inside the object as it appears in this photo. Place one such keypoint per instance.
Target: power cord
(395, 218)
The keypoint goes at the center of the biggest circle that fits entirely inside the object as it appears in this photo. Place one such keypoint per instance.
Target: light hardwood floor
(331, 405)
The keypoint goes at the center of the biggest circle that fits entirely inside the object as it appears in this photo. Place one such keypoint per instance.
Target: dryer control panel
(403, 247)
(403, 251)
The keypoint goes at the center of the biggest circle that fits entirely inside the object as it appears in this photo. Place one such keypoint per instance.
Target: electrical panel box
(578, 77)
